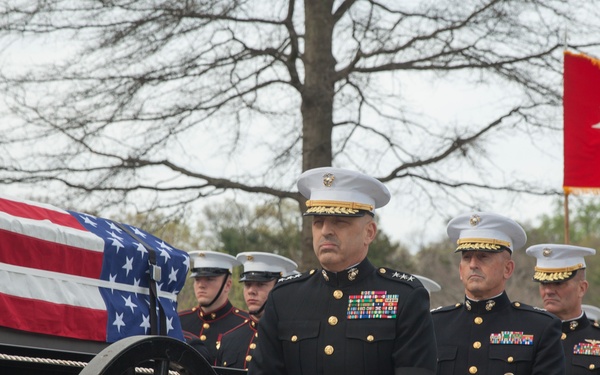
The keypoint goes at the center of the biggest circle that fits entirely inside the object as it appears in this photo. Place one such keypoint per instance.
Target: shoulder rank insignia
(372, 305)
(511, 338)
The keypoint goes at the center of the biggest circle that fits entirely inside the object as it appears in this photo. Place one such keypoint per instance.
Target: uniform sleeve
(415, 349)
(550, 357)
(268, 356)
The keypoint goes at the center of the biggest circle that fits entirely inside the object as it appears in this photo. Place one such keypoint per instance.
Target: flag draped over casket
(76, 275)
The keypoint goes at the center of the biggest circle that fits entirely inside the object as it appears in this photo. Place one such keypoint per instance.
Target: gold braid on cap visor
(336, 207)
(483, 244)
(550, 275)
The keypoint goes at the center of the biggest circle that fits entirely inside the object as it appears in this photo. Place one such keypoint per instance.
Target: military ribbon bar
(511, 338)
(372, 305)
(584, 348)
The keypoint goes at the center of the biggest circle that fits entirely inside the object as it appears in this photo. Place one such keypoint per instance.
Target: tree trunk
(317, 101)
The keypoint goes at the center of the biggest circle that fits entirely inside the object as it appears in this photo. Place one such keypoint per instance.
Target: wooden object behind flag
(581, 103)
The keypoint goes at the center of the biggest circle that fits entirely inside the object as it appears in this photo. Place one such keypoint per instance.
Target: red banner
(581, 102)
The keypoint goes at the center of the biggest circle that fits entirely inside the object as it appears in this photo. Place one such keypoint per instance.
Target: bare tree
(162, 103)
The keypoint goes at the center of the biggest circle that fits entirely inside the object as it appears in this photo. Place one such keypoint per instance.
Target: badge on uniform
(590, 347)
(372, 305)
(511, 338)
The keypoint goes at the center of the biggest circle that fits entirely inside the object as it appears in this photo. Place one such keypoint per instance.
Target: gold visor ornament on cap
(474, 220)
(547, 252)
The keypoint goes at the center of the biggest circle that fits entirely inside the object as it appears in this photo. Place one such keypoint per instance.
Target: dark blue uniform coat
(237, 346)
(362, 321)
(209, 327)
(581, 342)
(497, 337)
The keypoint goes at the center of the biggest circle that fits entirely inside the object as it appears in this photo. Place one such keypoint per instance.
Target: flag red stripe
(21, 250)
(581, 103)
(24, 210)
(40, 316)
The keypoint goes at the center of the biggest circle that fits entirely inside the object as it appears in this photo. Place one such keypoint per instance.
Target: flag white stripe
(62, 288)
(48, 231)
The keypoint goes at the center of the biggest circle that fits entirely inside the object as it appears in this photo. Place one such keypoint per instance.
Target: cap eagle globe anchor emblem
(328, 179)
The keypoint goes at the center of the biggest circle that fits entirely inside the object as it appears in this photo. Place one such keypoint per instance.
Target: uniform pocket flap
(298, 330)
(370, 332)
(511, 353)
(447, 353)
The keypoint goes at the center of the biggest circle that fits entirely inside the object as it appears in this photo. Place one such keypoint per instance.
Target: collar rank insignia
(590, 347)
(489, 305)
(511, 338)
(372, 305)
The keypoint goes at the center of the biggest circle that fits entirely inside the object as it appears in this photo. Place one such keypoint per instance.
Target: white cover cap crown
(486, 231)
(337, 191)
(262, 266)
(211, 263)
(558, 262)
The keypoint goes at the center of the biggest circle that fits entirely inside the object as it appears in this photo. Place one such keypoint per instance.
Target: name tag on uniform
(511, 338)
(372, 305)
(590, 347)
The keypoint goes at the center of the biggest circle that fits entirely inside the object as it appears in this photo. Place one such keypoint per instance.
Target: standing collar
(348, 276)
(575, 324)
(487, 306)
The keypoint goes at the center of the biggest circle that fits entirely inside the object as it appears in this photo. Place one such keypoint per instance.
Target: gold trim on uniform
(336, 207)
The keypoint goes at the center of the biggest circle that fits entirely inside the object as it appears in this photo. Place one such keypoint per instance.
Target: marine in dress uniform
(208, 322)
(560, 270)
(354, 321)
(493, 335)
(237, 346)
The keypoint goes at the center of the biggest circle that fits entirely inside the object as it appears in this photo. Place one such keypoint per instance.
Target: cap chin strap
(218, 294)
(256, 312)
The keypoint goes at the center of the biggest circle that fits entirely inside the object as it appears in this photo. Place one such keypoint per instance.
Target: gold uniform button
(294, 338)
(203, 337)
(472, 370)
(253, 346)
(206, 326)
(563, 336)
(478, 320)
(592, 366)
(510, 359)
(332, 320)
(338, 294)
(328, 350)
(517, 304)
(477, 345)
(370, 338)
(312, 271)
(248, 358)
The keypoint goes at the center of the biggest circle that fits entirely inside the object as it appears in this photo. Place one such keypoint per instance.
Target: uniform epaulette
(526, 307)
(404, 277)
(447, 308)
(293, 278)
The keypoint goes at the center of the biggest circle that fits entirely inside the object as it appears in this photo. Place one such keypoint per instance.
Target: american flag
(71, 274)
